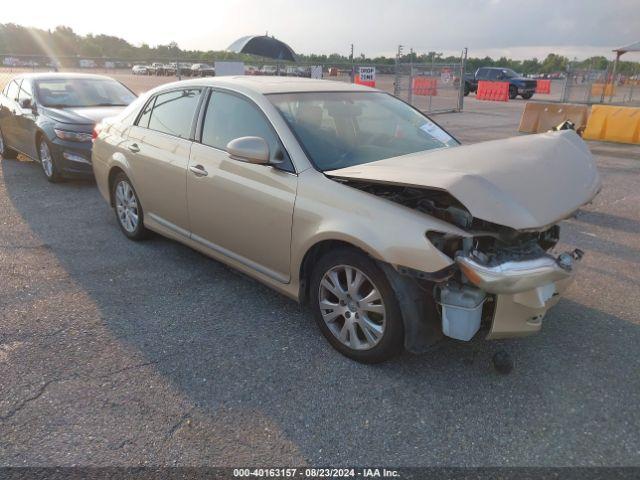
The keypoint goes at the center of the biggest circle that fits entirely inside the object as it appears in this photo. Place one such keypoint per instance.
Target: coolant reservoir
(461, 311)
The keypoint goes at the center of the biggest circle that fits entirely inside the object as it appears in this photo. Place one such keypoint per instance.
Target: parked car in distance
(269, 70)
(50, 117)
(348, 199)
(518, 85)
(156, 68)
(202, 70)
(251, 70)
(140, 70)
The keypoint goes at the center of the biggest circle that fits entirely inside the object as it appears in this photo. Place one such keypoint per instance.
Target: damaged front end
(502, 278)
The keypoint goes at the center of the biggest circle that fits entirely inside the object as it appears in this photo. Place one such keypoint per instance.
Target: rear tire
(5, 151)
(527, 96)
(513, 92)
(127, 207)
(355, 306)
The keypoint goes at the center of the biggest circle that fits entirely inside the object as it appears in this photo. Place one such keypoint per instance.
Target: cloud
(374, 26)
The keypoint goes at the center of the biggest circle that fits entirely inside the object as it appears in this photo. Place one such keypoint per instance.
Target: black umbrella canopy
(263, 46)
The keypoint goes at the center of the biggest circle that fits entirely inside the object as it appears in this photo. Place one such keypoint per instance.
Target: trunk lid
(525, 182)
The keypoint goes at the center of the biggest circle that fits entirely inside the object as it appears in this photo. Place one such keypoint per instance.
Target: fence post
(410, 96)
(396, 83)
(566, 86)
(463, 65)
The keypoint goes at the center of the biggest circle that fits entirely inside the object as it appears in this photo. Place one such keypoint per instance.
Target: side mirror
(25, 103)
(250, 150)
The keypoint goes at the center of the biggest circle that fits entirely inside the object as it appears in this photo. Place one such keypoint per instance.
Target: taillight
(96, 131)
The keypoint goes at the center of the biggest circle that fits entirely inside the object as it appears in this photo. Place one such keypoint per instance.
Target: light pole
(175, 46)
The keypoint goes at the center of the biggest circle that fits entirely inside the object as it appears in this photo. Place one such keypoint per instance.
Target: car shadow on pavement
(226, 341)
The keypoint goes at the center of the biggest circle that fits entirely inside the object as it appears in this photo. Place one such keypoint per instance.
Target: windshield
(342, 129)
(82, 92)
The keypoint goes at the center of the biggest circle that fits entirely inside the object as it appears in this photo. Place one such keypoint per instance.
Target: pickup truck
(518, 85)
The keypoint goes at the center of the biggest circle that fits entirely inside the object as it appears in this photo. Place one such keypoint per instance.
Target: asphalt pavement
(121, 353)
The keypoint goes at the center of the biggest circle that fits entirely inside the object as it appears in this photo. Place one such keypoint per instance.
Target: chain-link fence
(596, 85)
(406, 81)
(430, 87)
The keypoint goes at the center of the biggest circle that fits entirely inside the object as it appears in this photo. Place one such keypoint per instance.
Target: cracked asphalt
(121, 353)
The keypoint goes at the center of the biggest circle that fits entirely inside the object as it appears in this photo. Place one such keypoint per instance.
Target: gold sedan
(348, 199)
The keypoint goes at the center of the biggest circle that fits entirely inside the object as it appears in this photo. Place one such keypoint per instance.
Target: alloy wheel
(352, 307)
(1, 144)
(45, 159)
(127, 206)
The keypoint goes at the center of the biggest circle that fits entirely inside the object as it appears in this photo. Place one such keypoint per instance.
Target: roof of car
(268, 84)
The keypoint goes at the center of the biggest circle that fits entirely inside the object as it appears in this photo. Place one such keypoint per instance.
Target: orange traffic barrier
(543, 86)
(597, 89)
(541, 117)
(425, 86)
(495, 91)
(613, 124)
(366, 83)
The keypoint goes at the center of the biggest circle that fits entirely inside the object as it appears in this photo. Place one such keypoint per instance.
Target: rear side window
(145, 115)
(229, 117)
(173, 112)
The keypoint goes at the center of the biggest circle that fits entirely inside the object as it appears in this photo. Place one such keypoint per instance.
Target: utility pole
(175, 46)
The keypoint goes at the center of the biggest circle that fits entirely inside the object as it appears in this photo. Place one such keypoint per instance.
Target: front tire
(48, 162)
(5, 151)
(355, 307)
(128, 209)
(527, 96)
(513, 92)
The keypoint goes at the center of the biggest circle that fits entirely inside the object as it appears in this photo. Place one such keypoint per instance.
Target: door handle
(134, 148)
(198, 170)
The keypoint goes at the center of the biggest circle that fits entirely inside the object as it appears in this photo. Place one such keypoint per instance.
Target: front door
(25, 122)
(241, 210)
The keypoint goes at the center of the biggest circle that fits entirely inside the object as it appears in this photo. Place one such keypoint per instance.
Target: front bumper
(523, 290)
(73, 159)
(526, 90)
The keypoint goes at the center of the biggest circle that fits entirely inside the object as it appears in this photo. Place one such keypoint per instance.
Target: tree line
(64, 44)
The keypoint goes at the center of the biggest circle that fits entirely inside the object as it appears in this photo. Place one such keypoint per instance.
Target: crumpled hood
(526, 182)
(82, 115)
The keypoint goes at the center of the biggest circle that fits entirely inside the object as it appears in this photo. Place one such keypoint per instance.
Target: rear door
(241, 210)
(159, 145)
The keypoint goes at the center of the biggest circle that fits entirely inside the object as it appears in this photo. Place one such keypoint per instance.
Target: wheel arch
(419, 315)
(113, 172)
(311, 257)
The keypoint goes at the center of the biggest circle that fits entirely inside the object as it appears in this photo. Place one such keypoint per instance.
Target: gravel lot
(122, 353)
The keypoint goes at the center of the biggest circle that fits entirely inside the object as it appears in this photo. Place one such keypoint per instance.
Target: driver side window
(229, 116)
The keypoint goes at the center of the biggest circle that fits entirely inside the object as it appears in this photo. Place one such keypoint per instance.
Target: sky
(513, 28)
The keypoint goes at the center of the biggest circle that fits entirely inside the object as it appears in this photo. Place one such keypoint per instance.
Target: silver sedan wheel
(1, 144)
(45, 159)
(127, 206)
(352, 307)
